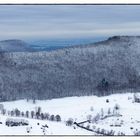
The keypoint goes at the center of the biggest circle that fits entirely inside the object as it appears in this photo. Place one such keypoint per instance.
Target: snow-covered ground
(77, 108)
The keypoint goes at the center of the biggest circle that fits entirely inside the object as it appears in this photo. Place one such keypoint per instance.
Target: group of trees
(104, 114)
(38, 114)
(104, 132)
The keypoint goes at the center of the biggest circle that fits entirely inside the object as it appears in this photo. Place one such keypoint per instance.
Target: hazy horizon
(46, 22)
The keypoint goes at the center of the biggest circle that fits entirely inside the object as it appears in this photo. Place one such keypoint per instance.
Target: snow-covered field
(78, 108)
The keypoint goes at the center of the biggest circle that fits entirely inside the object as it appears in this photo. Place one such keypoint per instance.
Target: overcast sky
(68, 21)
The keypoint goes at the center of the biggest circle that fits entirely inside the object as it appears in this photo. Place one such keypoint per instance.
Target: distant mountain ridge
(101, 68)
(15, 45)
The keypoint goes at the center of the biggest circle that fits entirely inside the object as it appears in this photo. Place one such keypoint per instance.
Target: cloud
(68, 21)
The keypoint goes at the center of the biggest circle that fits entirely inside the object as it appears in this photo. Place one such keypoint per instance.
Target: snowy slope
(78, 108)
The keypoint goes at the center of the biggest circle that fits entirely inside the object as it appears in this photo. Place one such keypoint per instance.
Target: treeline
(37, 114)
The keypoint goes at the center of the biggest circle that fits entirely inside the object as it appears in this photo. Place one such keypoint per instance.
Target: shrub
(58, 118)
(52, 117)
(88, 126)
(46, 116)
(107, 100)
(16, 122)
(116, 107)
(69, 122)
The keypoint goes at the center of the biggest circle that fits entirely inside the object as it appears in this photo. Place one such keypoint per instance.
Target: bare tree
(42, 116)
(17, 112)
(27, 114)
(22, 114)
(12, 113)
(102, 112)
(32, 114)
(46, 116)
(3, 111)
(109, 111)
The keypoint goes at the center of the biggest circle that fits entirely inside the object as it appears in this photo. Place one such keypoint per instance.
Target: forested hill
(15, 45)
(100, 68)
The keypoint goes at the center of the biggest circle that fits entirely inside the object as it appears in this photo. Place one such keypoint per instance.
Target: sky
(30, 22)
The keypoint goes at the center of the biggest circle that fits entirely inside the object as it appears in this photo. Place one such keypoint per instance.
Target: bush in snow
(69, 122)
(52, 118)
(28, 129)
(116, 107)
(88, 126)
(120, 134)
(107, 100)
(46, 116)
(58, 118)
(16, 122)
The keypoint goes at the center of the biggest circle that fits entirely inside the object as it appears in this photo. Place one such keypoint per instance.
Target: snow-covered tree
(52, 117)
(32, 114)
(17, 112)
(102, 112)
(46, 116)
(69, 122)
(109, 111)
(58, 118)
(42, 116)
(27, 114)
